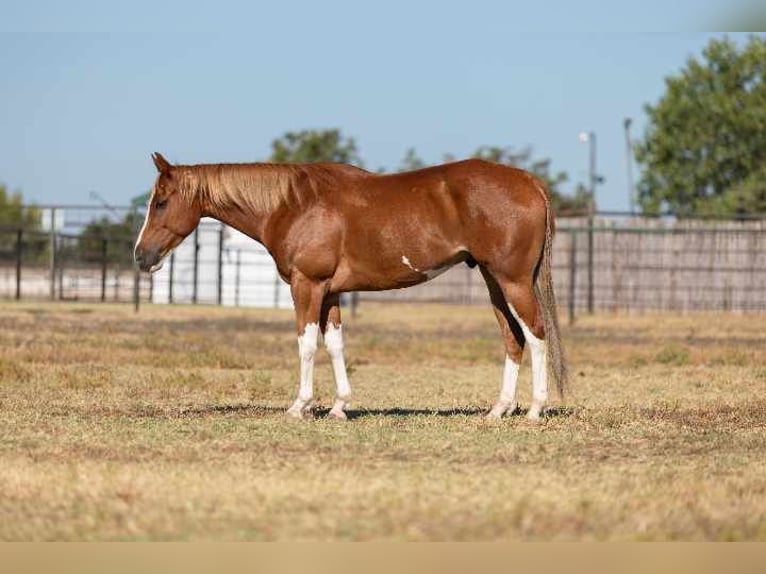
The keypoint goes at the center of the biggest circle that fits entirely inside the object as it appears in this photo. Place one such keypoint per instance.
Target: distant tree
(411, 161)
(562, 203)
(311, 146)
(119, 236)
(13, 212)
(14, 215)
(140, 201)
(704, 150)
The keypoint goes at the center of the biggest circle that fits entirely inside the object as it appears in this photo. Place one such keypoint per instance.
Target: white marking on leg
(333, 340)
(538, 350)
(307, 346)
(507, 402)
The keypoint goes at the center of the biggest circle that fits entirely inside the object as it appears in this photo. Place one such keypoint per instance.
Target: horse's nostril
(146, 258)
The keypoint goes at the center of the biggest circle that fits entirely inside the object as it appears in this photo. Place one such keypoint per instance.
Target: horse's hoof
(337, 415)
(299, 415)
(534, 415)
(499, 411)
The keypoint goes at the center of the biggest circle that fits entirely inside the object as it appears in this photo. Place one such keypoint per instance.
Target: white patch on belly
(429, 273)
(408, 264)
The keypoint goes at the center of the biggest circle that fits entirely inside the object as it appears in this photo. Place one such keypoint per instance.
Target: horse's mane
(260, 187)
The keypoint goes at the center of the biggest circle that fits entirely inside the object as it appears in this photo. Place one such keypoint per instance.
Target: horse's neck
(241, 219)
(242, 215)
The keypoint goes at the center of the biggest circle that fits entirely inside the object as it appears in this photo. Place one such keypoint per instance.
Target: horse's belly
(392, 272)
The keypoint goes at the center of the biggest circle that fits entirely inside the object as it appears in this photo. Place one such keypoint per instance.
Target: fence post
(220, 265)
(136, 290)
(276, 290)
(104, 250)
(354, 303)
(170, 280)
(572, 274)
(60, 274)
(53, 253)
(590, 263)
(195, 284)
(236, 278)
(19, 253)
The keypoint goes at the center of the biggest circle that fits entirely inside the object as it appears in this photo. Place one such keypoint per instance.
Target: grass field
(169, 425)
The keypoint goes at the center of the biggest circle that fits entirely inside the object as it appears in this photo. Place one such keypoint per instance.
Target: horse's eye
(161, 203)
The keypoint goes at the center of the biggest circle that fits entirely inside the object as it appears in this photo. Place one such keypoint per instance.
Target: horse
(334, 228)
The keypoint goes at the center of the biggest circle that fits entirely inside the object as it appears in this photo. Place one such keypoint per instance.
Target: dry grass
(169, 425)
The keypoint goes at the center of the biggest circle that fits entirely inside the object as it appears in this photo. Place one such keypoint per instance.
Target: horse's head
(170, 217)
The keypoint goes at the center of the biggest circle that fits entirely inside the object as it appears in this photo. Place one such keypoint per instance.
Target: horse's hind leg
(513, 337)
(523, 305)
(332, 330)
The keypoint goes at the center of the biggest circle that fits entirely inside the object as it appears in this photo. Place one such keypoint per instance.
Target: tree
(411, 161)
(118, 235)
(13, 213)
(705, 146)
(311, 146)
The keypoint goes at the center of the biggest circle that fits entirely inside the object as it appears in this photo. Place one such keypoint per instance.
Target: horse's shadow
(256, 411)
(552, 412)
(253, 411)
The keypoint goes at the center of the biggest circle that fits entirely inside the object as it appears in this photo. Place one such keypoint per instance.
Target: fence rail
(627, 265)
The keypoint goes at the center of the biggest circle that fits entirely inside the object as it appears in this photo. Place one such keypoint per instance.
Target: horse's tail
(557, 366)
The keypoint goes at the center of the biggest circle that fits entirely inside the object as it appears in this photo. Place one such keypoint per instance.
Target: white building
(249, 276)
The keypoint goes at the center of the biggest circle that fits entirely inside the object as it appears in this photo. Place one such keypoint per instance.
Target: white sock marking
(333, 340)
(507, 401)
(510, 376)
(307, 346)
(538, 350)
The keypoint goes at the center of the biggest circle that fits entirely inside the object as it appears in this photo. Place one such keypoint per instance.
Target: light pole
(593, 179)
(590, 138)
(629, 162)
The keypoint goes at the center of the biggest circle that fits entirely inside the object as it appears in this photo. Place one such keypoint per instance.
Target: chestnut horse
(334, 228)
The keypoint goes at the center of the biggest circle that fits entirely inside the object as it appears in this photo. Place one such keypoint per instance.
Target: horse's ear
(163, 165)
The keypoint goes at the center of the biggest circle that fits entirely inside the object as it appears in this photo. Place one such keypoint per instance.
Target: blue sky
(87, 92)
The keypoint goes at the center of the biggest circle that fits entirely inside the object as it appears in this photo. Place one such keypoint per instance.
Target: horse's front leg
(333, 339)
(307, 297)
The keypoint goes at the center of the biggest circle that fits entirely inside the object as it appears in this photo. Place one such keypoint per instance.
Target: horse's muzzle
(147, 260)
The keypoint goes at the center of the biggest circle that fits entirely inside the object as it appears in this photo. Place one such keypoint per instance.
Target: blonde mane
(259, 187)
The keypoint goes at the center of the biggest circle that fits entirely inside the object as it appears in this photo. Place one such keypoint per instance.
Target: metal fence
(51, 253)
(615, 264)
(634, 265)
